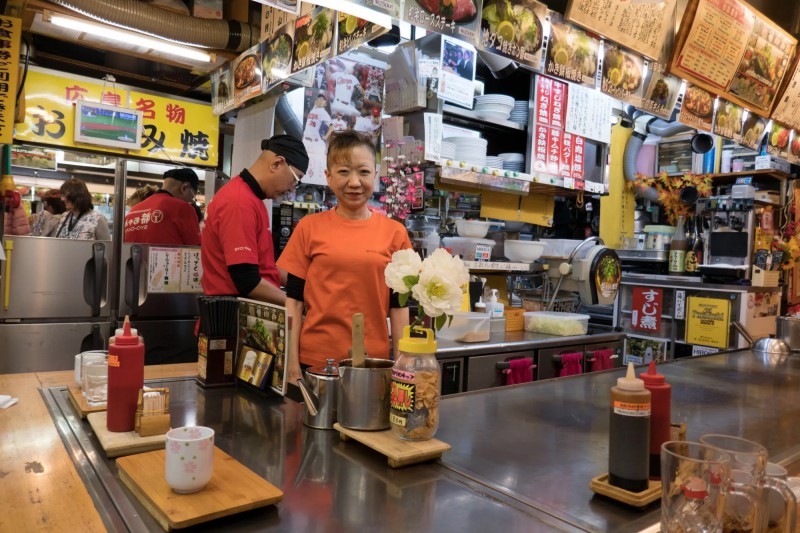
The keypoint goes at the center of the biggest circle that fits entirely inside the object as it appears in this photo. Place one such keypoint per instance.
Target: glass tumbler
(749, 467)
(94, 373)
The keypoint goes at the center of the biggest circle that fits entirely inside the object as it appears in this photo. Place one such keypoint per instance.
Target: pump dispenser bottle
(661, 394)
(629, 434)
(125, 378)
(495, 308)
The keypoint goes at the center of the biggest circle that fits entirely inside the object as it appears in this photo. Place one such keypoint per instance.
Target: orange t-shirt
(342, 262)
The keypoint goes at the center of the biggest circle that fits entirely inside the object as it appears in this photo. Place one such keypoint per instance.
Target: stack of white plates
(494, 161)
(447, 150)
(471, 150)
(513, 161)
(520, 112)
(496, 106)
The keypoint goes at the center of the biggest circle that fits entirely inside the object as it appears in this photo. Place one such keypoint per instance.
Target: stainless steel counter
(522, 456)
(511, 341)
(543, 442)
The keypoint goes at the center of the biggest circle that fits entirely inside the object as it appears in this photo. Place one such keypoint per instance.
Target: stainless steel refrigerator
(163, 309)
(53, 302)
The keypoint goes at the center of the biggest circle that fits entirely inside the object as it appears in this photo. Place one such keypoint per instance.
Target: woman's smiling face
(352, 178)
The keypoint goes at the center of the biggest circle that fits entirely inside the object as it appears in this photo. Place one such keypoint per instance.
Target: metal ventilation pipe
(138, 16)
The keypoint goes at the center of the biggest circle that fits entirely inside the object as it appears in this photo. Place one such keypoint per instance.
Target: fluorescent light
(381, 19)
(129, 37)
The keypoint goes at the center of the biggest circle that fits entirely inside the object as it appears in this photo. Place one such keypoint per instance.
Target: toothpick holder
(152, 412)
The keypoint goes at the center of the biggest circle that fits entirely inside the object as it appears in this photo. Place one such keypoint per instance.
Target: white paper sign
(457, 71)
(433, 136)
(589, 113)
(680, 305)
(164, 270)
(703, 350)
(191, 270)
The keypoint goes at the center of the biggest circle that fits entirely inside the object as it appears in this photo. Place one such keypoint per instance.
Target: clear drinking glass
(85, 357)
(95, 380)
(749, 467)
(693, 487)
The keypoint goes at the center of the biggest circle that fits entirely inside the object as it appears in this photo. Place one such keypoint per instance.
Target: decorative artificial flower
(669, 191)
(435, 283)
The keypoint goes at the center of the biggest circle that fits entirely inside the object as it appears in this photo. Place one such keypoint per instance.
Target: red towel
(571, 364)
(520, 371)
(602, 360)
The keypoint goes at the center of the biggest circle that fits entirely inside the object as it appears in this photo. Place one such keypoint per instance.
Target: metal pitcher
(320, 389)
(364, 394)
(788, 330)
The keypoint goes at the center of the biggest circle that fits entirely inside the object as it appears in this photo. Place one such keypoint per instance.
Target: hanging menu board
(514, 29)
(572, 53)
(727, 47)
(787, 110)
(640, 26)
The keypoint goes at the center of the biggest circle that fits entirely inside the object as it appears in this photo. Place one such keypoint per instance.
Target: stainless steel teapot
(320, 389)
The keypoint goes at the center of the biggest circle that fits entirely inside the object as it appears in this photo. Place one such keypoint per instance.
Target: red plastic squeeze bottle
(125, 378)
(660, 416)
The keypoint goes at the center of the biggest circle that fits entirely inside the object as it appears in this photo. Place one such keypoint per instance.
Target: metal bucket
(363, 400)
(788, 330)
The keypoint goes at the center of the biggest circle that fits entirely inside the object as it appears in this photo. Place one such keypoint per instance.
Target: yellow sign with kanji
(50, 107)
(177, 130)
(174, 130)
(10, 31)
(708, 321)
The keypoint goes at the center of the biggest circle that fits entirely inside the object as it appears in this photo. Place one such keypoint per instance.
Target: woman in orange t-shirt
(336, 261)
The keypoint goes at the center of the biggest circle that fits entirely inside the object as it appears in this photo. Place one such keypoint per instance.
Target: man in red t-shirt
(237, 252)
(167, 217)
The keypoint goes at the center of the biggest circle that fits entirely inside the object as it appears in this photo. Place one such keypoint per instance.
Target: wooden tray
(233, 489)
(600, 485)
(399, 452)
(119, 444)
(80, 404)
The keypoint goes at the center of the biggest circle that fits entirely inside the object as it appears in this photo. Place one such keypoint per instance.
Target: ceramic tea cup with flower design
(189, 458)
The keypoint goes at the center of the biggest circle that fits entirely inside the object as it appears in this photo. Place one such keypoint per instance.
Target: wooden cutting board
(80, 404)
(126, 443)
(233, 488)
(398, 452)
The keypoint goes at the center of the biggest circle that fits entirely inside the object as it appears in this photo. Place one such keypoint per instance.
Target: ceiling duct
(145, 18)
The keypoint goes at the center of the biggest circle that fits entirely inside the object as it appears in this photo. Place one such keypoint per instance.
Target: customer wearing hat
(167, 216)
(237, 252)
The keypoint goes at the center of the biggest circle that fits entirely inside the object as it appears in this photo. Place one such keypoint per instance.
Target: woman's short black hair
(77, 193)
(56, 204)
(343, 142)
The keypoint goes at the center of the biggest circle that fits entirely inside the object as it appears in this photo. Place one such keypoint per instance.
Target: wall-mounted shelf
(498, 266)
(475, 116)
(766, 173)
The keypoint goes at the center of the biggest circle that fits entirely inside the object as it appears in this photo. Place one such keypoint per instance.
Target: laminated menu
(514, 29)
(727, 47)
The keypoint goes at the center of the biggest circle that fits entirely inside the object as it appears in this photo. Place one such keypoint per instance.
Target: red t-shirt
(236, 231)
(162, 219)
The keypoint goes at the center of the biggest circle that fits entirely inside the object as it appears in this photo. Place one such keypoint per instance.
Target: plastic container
(660, 417)
(125, 378)
(467, 327)
(523, 251)
(629, 434)
(559, 247)
(658, 237)
(467, 246)
(495, 307)
(415, 389)
(553, 323)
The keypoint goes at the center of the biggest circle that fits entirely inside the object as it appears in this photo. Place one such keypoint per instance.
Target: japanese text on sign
(646, 309)
(10, 31)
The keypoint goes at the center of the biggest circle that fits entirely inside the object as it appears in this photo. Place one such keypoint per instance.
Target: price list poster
(728, 48)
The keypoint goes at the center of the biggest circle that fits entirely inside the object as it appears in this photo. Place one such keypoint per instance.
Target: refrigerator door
(141, 271)
(46, 347)
(51, 278)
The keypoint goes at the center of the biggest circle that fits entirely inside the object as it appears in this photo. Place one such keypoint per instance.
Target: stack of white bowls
(471, 150)
(495, 106)
(513, 161)
(447, 150)
(494, 161)
(520, 112)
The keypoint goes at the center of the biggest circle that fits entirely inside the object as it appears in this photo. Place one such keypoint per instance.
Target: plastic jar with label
(415, 389)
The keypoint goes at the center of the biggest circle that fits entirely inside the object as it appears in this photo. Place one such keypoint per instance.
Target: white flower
(449, 267)
(404, 263)
(437, 293)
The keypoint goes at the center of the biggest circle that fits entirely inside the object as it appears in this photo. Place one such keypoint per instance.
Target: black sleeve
(245, 276)
(295, 287)
(394, 300)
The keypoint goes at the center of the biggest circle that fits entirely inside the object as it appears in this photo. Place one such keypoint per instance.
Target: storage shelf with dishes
(454, 113)
(508, 181)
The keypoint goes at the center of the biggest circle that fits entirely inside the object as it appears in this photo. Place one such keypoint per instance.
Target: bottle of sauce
(677, 250)
(629, 434)
(125, 378)
(693, 259)
(660, 416)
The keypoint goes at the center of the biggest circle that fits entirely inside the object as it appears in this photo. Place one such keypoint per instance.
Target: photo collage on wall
(343, 95)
